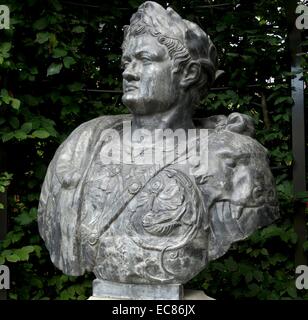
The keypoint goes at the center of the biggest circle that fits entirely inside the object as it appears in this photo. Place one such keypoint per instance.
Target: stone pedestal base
(196, 295)
(106, 290)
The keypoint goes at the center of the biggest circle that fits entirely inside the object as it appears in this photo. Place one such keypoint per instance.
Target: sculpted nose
(131, 73)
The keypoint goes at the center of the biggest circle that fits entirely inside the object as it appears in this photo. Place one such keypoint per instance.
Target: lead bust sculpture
(105, 207)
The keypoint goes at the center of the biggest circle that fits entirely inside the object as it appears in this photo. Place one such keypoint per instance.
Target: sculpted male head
(176, 54)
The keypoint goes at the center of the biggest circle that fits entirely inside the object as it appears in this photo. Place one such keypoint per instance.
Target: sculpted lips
(130, 87)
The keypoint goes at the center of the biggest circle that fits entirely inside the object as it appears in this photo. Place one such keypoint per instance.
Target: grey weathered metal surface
(140, 222)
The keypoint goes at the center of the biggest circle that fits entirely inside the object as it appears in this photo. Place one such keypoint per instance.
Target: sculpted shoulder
(77, 149)
(73, 154)
(58, 209)
(235, 122)
(97, 125)
(238, 184)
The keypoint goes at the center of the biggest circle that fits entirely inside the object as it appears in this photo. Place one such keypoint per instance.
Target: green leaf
(4, 93)
(12, 237)
(36, 282)
(48, 125)
(283, 99)
(134, 3)
(113, 57)
(70, 109)
(305, 246)
(221, 27)
(13, 258)
(248, 277)
(26, 127)
(37, 250)
(59, 52)
(233, 55)
(54, 68)
(57, 5)
(42, 37)
(34, 70)
(5, 96)
(28, 249)
(68, 61)
(26, 218)
(253, 289)
(15, 103)
(20, 135)
(42, 134)
(14, 122)
(53, 40)
(76, 86)
(231, 264)
(40, 173)
(258, 275)
(40, 24)
(31, 100)
(78, 29)
(5, 47)
(292, 291)
(24, 252)
(13, 296)
(7, 136)
(23, 256)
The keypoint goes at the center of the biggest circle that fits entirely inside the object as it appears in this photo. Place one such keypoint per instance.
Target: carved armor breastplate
(141, 224)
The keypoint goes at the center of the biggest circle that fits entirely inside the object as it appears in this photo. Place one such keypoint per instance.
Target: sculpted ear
(191, 74)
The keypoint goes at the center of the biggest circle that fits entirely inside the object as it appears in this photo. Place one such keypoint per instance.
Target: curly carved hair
(185, 41)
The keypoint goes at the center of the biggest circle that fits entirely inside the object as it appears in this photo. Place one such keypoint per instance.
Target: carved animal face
(238, 170)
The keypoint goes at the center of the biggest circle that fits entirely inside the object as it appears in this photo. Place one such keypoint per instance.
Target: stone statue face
(149, 82)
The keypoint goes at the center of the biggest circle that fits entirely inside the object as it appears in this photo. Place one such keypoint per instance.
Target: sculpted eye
(231, 163)
(125, 61)
(146, 59)
(124, 65)
(229, 159)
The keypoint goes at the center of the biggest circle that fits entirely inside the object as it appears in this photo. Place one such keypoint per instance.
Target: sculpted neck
(175, 118)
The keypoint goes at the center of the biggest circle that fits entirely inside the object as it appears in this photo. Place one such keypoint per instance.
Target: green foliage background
(54, 57)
